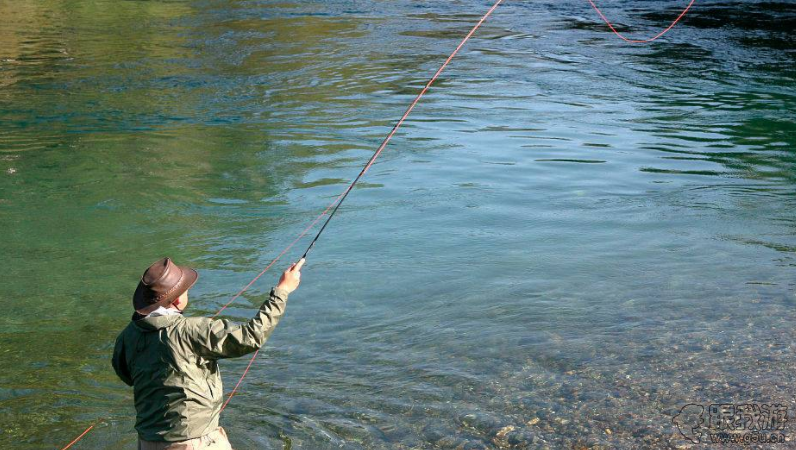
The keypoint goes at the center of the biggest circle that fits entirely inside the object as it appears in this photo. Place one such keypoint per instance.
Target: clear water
(571, 236)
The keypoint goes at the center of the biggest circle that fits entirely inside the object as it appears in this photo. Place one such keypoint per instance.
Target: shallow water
(571, 236)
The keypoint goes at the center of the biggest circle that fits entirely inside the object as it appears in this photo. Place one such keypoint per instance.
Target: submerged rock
(484, 423)
(521, 438)
(441, 436)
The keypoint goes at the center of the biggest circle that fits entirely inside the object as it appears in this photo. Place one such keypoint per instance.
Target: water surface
(572, 236)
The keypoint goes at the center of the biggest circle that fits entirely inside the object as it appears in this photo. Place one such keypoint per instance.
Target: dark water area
(569, 240)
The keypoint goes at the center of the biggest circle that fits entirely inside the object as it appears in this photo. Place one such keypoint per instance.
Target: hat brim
(189, 277)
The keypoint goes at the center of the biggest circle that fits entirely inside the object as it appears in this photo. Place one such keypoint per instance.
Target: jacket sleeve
(216, 339)
(120, 362)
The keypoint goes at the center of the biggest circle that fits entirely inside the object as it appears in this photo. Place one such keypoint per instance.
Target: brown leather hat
(162, 283)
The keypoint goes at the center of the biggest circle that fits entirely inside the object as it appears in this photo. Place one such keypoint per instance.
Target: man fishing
(172, 361)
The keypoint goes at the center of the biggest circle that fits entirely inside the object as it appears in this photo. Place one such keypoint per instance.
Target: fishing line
(640, 41)
(400, 122)
(81, 436)
(384, 143)
(335, 205)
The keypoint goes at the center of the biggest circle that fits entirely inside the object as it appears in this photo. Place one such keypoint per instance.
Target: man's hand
(290, 280)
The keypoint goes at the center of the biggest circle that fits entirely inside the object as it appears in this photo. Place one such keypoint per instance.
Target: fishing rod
(398, 124)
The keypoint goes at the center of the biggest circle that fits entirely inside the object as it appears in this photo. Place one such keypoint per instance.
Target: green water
(570, 235)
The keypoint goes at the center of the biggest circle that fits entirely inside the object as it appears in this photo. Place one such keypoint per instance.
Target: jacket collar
(157, 322)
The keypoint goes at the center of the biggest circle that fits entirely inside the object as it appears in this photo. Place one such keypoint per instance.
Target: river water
(569, 240)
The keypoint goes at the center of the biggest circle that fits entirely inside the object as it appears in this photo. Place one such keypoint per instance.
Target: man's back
(171, 362)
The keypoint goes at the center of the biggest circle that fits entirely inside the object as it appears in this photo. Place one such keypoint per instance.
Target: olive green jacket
(172, 363)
